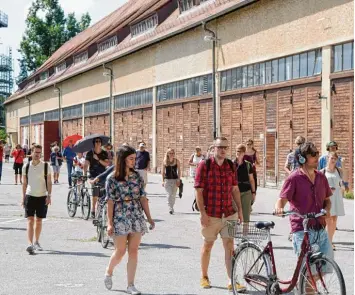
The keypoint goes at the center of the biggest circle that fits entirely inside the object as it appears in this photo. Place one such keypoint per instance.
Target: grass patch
(349, 195)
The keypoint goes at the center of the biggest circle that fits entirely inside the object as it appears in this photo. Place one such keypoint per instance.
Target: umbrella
(73, 138)
(87, 143)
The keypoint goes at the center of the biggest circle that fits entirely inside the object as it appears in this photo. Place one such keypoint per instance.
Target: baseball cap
(331, 143)
(142, 144)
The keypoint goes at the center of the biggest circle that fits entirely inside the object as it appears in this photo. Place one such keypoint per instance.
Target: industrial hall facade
(174, 73)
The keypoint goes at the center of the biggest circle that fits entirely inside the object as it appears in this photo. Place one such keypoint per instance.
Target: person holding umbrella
(69, 156)
(96, 161)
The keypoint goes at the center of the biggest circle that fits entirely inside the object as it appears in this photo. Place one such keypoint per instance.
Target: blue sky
(12, 35)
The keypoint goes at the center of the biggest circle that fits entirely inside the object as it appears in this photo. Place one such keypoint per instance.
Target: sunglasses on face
(314, 154)
(97, 141)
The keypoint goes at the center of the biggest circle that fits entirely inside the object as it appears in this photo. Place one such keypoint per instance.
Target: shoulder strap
(231, 164)
(248, 164)
(208, 165)
(323, 171)
(339, 172)
(26, 169)
(46, 174)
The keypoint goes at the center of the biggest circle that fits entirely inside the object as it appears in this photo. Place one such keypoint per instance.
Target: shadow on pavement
(9, 205)
(88, 254)
(346, 230)
(283, 247)
(161, 246)
(12, 228)
(125, 292)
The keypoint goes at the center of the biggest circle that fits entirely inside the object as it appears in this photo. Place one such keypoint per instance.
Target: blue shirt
(322, 163)
(69, 154)
(142, 160)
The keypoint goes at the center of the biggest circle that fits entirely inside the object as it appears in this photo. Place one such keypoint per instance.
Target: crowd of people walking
(225, 189)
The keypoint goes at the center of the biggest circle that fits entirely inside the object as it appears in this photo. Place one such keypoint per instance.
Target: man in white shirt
(36, 191)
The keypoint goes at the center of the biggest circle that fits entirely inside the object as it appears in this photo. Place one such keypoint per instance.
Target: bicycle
(100, 220)
(255, 266)
(79, 195)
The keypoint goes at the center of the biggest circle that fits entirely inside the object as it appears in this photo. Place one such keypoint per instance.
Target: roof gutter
(149, 43)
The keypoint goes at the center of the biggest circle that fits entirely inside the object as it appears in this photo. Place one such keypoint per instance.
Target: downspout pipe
(30, 121)
(60, 114)
(214, 41)
(111, 100)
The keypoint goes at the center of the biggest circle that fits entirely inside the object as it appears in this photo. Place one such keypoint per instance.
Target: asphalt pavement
(73, 262)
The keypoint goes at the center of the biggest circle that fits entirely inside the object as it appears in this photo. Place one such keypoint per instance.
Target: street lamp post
(111, 99)
(30, 121)
(57, 90)
(211, 37)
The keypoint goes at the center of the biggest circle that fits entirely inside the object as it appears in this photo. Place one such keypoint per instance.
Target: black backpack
(208, 165)
(45, 173)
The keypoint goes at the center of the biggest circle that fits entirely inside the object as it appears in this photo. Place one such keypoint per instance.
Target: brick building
(283, 68)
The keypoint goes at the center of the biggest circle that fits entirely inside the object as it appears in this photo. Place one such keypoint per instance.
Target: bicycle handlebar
(306, 216)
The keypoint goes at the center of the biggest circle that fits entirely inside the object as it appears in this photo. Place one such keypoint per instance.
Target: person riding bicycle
(308, 191)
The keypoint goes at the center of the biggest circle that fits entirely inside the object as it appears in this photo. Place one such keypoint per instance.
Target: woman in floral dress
(126, 201)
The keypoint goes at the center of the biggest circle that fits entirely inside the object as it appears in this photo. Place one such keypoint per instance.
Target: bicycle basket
(246, 231)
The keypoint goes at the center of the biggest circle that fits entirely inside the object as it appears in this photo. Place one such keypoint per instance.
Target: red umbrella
(72, 138)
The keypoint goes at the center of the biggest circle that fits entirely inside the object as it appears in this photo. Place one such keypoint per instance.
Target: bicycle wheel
(327, 276)
(105, 239)
(242, 264)
(71, 203)
(85, 205)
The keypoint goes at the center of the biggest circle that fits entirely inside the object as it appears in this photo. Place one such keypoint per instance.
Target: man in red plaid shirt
(216, 188)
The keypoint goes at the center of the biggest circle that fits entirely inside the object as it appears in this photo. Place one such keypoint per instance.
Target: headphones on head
(302, 159)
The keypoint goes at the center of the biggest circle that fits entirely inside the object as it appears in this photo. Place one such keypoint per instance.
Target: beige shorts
(217, 226)
(144, 175)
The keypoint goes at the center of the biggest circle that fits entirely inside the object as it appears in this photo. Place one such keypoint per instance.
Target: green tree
(23, 72)
(47, 29)
(3, 135)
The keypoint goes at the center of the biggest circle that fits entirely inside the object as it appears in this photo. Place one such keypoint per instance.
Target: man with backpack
(217, 188)
(36, 191)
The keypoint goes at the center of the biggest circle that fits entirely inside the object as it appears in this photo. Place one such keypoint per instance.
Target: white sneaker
(108, 282)
(131, 289)
(38, 246)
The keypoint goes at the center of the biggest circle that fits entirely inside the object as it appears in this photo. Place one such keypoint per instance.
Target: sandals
(333, 247)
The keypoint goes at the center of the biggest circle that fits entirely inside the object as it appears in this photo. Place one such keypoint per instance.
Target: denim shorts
(315, 237)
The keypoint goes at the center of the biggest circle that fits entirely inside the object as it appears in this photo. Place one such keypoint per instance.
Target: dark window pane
(256, 74)
(239, 78)
(318, 68)
(311, 63)
(262, 73)
(347, 53)
(281, 69)
(288, 68)
(268, 72)
(234, 78)
(338, 58)
(229, 79)
(275, 68)
(250, 76)
(295, 66)
(245, 76)
(303, 65)
(210, 83)
(223, 81)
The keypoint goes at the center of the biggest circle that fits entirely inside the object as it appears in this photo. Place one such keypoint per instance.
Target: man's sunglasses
(97, 141)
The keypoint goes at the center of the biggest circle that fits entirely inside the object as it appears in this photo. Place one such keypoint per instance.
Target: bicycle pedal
(95, 222)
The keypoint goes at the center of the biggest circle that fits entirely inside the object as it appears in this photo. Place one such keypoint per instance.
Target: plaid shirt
(217, 187)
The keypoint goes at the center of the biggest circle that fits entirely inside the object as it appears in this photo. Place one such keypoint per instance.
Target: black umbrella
(87, 143)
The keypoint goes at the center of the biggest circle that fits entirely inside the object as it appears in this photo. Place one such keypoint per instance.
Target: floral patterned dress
(127, 211)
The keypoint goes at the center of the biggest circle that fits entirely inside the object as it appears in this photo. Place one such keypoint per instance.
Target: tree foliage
(47, 29)
(3, 135)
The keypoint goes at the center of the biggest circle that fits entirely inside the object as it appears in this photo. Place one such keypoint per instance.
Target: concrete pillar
(83, 120)
(154, 131)
(326, 94)
(218, 106)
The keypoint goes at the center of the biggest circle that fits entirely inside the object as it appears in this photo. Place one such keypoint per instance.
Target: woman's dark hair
(120, 165)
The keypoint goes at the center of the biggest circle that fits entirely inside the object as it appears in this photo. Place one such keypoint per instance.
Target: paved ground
(74, 263)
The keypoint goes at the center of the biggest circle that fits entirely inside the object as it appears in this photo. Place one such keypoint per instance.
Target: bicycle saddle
(264, 224)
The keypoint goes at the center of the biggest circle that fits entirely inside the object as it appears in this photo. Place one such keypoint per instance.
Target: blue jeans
(70, 171)
(0, 169)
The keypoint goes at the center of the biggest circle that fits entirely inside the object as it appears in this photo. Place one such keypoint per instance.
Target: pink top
(305, 197)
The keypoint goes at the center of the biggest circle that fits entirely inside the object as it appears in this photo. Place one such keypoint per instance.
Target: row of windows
(25, 120)
(278, 70)
(98, 106)
(109, 43)
(145, 25)
(141, 97)
(52, 115)
(186, 88)
(61, 67)
(81, 57)
(72, 112)
(37, 118)
(185, 5)
(343, 57)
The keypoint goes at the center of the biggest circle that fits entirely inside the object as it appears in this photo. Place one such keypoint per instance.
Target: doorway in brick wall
(270, 167)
